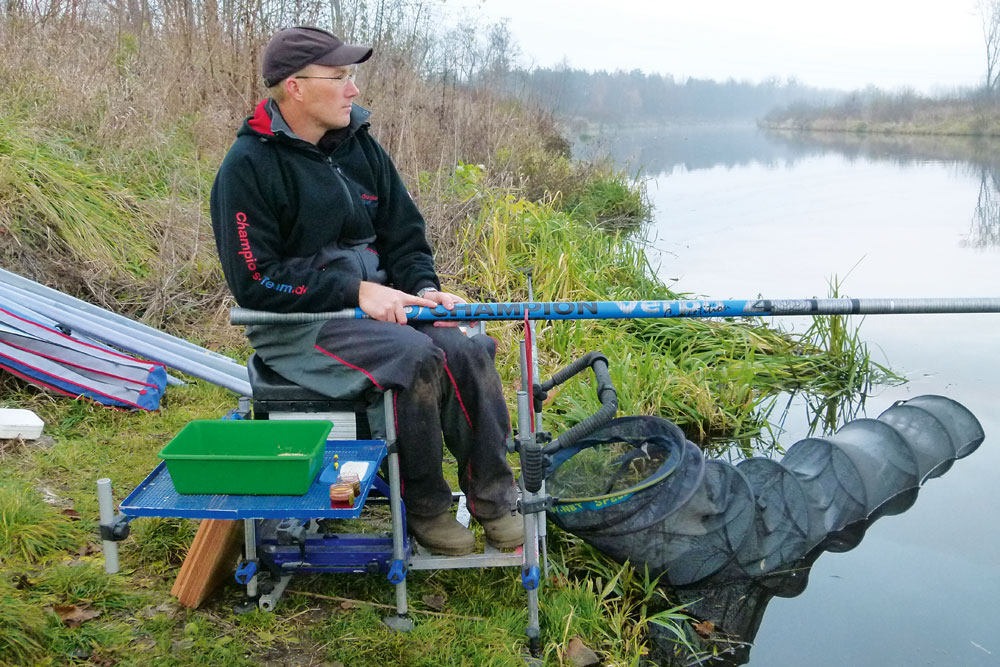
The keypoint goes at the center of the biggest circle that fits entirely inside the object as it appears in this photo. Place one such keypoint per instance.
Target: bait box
(246, 457)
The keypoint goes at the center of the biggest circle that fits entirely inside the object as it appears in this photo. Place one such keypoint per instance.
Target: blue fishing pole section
(612, 310)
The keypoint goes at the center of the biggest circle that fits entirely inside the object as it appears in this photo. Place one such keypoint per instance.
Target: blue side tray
(156, 496)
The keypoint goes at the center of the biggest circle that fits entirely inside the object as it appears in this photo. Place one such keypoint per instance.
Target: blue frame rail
(156, 496)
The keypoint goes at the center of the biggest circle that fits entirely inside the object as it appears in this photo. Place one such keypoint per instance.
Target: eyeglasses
(341, 80)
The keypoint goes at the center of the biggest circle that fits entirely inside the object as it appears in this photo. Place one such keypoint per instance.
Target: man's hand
(386, 304)
(448, 301)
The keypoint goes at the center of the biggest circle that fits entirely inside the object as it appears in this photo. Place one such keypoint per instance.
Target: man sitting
(310, 215)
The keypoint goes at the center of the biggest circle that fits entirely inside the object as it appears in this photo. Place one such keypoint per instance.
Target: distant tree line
(970, 111)
(636, 96)
(965, 112)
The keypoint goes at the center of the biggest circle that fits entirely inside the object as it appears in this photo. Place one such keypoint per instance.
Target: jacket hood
(267, 122)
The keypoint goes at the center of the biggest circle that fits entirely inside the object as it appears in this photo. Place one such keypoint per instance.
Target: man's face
(328, 100)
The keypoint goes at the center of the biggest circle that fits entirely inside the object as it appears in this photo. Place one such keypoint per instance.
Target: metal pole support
(106, 506)
(399, 622)
(530, 576)
(250, 553)
(540, 521)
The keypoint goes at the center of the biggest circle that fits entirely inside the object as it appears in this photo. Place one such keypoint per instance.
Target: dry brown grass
(152, 101)
(973, 114)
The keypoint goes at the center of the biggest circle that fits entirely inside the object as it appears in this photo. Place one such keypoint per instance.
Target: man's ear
(292, 88)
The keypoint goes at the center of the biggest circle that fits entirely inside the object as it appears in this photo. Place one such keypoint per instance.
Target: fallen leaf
(87, 549)
(73, 616)
(103, 661)
(705, 628)
(580, 655)
(435, 602)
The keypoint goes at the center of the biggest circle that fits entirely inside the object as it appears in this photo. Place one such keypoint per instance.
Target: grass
(20, 627)
(47, 193)
(103, 192)
(30, 530)
(712, 378)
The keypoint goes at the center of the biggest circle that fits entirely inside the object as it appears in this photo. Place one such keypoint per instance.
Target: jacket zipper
(342, 180)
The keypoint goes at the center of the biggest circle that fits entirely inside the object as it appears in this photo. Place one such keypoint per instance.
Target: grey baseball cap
(292, 49)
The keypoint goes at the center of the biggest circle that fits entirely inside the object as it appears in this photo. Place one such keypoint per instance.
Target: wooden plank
(210, 559)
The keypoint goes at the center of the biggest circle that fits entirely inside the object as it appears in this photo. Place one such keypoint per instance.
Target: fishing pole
(610, 310)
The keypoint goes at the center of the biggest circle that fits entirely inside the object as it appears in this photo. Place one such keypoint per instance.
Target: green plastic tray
(246, 457)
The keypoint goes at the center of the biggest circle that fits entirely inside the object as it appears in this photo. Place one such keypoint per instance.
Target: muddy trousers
(447, 393)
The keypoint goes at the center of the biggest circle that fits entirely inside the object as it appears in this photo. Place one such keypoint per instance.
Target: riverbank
(105, 169)
(906, 114)
(710, 377)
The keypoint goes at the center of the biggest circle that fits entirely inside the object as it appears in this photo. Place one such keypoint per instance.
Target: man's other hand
(386, 304)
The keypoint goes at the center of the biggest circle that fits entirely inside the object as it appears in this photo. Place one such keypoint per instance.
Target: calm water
(740, 214)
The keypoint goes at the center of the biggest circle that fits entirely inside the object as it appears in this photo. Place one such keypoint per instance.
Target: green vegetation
(709, 377)
(712, 378)
(878, 112)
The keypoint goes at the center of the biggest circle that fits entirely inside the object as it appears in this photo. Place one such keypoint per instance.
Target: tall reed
(116, 119)
(710, 377)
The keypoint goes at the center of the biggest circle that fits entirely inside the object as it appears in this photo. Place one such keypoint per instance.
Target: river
(741, 213)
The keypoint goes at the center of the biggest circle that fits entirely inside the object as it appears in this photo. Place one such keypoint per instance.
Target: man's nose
(352, 89)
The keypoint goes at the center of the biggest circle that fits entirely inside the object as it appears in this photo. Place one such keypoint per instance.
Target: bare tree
(989, 16)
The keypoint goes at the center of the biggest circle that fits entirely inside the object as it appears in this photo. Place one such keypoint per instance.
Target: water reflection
(903, 204)
(985, 229)
(979, 157)
(824, 413)
(899, 149)
(661, 150)
(737, 609)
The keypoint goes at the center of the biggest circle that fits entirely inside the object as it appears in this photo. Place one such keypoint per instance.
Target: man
(310, 215)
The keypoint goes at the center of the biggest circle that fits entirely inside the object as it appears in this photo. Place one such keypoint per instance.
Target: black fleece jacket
(299, 226)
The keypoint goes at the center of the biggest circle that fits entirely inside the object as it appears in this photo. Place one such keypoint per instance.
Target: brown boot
(504, 532)
(442, 534)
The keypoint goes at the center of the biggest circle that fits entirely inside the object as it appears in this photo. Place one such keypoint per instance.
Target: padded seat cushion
(269, 387)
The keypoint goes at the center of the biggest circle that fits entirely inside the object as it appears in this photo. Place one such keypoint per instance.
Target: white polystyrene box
(20, 424)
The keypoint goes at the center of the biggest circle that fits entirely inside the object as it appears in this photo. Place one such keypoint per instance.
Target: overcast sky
(923, 44)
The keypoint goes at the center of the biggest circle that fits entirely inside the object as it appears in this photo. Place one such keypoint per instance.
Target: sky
(927, 45)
